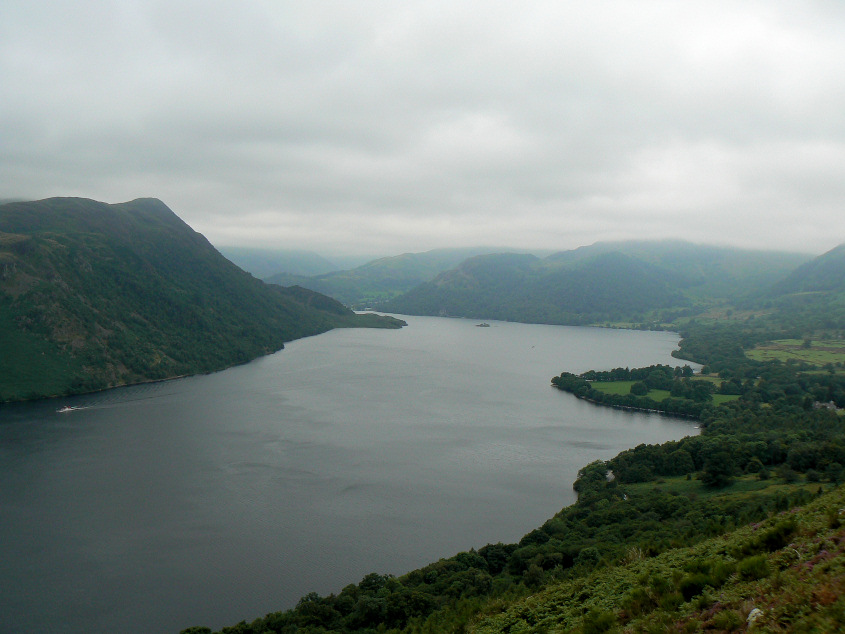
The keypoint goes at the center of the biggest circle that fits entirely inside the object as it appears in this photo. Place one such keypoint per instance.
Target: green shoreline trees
(688, 398)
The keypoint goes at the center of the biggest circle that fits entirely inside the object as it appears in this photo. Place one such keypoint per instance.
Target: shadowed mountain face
(813, 295)
(95, 295)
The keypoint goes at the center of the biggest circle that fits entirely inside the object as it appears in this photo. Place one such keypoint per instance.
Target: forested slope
(95, 295)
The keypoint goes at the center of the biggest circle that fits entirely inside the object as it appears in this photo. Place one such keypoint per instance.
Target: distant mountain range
(606, 282)
(526, 288)
(375, 282)
(95, 295)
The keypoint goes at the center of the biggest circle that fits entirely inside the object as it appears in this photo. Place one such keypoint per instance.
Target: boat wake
(68, 408)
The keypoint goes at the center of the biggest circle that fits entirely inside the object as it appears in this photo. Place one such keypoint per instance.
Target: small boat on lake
(483, 325)
(66, 408)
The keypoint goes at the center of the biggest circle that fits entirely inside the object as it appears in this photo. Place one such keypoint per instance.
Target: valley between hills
(739, 528)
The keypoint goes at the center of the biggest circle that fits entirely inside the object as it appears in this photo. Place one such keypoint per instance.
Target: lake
(217, 498)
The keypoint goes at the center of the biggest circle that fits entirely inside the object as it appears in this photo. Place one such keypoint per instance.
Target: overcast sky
(378, 128)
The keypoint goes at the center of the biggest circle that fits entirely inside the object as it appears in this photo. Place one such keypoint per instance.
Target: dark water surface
(212, 499)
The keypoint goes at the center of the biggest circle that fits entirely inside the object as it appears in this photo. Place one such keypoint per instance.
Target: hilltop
(825, 273)
(94, 295)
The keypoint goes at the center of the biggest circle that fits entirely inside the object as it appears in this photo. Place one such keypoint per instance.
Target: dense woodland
(740, 524)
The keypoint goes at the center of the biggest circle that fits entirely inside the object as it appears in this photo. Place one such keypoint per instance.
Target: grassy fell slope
(786, 574)
(95, 295)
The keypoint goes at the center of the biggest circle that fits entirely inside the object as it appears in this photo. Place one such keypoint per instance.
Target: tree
(639, 389)
(718, 469)
(702, 391)
(679, 462)
(754, 465)
(588, 557)
(593, 476)
(533, 577)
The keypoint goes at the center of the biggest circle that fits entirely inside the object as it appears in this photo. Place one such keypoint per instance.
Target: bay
(211, 499)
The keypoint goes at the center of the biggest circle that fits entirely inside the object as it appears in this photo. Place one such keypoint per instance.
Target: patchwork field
(817, 352)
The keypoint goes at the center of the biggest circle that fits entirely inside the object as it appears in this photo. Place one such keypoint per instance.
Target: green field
(613, 387)
(742, 485)
(624, 387)
(819, 352)
(718, 399)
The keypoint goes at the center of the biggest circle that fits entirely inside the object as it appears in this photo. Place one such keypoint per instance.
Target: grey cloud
(386, 127)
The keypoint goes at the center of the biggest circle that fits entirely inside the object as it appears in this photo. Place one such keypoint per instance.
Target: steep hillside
(781, 575)
(825, 273)
(605, 287)
(811, 300)
(377, 281)
(95, 295)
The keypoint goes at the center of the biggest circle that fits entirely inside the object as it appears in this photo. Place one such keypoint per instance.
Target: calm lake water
(212, 499)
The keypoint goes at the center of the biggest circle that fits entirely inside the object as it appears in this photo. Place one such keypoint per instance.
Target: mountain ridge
(94, 295)
(374, 282)
(635, 281)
